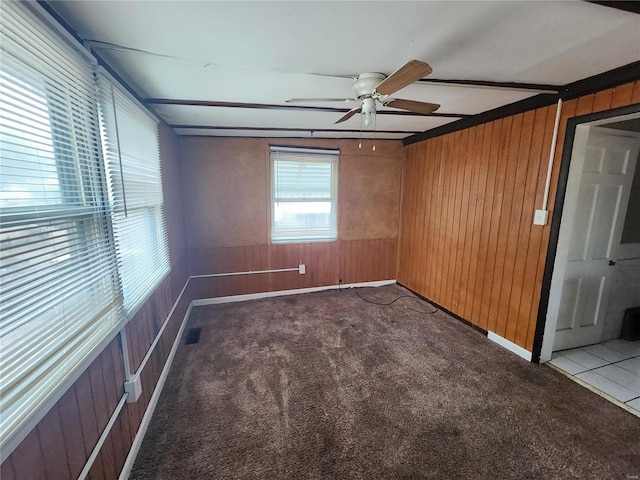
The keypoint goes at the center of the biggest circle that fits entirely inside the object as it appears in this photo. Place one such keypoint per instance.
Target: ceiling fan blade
(349, 114)
(299, 100)
(412, 105)
(409, 73)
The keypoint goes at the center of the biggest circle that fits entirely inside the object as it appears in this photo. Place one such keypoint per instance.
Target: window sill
(281, 241)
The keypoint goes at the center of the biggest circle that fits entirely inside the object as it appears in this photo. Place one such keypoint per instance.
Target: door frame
(545, 328)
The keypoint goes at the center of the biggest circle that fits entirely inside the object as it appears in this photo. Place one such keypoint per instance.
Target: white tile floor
(612, 367)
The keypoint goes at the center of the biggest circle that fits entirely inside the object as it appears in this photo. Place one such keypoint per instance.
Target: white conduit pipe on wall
(114, 416)
(541, 216)
(102, 439)
(159, 334)
(146, 418)
(152, 347)
(129, 377)
(250, 272)
(554, 140)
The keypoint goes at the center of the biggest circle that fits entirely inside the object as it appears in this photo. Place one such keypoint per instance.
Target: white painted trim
(552, 154)
(279, 293)
(105, 433)
(503, 342)
(578, 153)
(114, 416)
(159, 334)
(146, 419)
(249, 272)
(125, 353)
(580, 142)
(11, 443)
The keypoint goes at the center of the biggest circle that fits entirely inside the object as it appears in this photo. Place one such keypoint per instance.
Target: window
(304, 186)
(82, 233)
(131, 152)
(59, 290)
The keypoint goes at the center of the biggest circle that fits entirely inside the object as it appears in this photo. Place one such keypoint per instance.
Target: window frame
(79, 217)
(114, 101)
(316, 156)
(83, 207)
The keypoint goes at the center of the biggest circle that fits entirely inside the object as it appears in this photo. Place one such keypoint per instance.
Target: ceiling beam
(628, 6)
(530, 103)
(612, 78)
(287, 129)
(602, 81)
(268, 106)
(490, 85)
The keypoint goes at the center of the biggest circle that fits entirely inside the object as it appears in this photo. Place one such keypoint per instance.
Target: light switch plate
(302, 269)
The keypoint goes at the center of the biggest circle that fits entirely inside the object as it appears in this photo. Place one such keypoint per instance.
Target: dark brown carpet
(325, 385)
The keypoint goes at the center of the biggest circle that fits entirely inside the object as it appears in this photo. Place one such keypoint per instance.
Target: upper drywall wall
(226, 189)
(369, 195)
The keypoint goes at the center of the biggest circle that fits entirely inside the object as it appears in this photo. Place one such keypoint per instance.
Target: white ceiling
(267, 52)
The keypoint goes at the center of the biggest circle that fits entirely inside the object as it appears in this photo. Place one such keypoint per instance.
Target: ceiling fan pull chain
(375, 128)
(360, 139)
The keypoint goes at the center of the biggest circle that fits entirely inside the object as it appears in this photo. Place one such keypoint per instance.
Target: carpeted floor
(327, 386)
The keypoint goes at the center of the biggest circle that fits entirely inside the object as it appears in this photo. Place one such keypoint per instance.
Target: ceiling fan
(370, 88)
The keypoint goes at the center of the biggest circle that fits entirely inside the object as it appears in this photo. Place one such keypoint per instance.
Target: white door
(603, 175)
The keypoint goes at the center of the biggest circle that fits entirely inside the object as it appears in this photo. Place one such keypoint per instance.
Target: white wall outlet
(133, 387)
(302, 269)
(541, 217)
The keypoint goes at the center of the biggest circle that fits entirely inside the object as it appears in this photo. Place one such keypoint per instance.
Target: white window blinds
(304, 194)
(130, 145)
(59, 286)
(82, 233)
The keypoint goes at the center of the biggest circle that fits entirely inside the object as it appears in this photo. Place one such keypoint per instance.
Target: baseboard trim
(153, 402)
(279, 293)
(503, 342)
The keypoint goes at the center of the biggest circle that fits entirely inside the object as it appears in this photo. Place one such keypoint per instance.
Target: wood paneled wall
(226, 186)
(59, 446)
(467, 239)
(351, 261)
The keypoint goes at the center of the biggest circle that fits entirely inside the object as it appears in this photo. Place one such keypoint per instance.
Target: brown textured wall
(368, 196)
(226, 188)
(58, 447)
(225, 191)
(466, 236)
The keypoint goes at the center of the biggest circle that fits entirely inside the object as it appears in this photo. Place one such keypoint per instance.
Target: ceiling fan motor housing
(365, 84)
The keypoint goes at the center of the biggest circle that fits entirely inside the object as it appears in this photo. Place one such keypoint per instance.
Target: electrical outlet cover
(541, 217)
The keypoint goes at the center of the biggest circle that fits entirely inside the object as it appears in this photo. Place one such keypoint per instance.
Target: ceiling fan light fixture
(368, 110)
(369, 88)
